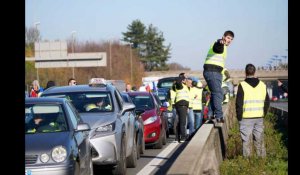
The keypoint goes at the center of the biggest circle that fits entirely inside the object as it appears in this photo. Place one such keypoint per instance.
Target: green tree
(135, 34)
(155, 54)
(149, 44)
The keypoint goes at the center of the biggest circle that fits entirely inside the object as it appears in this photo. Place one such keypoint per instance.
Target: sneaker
(221, 120)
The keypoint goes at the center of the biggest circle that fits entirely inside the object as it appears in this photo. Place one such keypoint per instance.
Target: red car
(155, 124)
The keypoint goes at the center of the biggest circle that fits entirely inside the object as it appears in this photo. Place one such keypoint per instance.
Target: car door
(128, 119)
(81, 139)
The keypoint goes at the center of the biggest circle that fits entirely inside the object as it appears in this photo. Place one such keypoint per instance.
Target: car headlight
(44, 158)
(59, 154)
(150, 120)
(106, 128)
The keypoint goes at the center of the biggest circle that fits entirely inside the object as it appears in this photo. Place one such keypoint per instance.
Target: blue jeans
(198, 119)
(191, 121)
(214, 82)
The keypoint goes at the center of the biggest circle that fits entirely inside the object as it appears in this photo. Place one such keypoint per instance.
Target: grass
(276, 161)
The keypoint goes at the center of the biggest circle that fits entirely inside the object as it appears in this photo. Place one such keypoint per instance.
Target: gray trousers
(255, 127)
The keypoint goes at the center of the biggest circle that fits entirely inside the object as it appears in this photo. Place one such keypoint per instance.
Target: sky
(260, 27)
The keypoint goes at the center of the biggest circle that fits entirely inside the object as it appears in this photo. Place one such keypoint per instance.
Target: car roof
(78, 88)
(139, 93)
(45, 100)
(167, 78)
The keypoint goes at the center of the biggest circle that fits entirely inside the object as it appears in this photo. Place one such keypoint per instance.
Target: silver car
(112, 134)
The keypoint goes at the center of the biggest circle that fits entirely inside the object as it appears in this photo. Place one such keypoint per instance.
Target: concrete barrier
(206, 150)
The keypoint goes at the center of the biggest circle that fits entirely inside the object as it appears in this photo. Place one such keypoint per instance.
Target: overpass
(236, 75)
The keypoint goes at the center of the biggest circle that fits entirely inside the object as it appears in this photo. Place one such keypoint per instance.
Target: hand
(279, 83)
(222, 41)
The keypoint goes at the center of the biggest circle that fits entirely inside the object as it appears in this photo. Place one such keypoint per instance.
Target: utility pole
(130, 63)
(37, 32)
(73, 40)
(110, 61)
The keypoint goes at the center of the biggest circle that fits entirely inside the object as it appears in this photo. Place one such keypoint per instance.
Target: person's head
(134, 88)
(228, 37)
(50, 84)
(36, 85)
(189, 82)
(38, 119)
(128, 87)
(182, 77)
(72, 82)
(100, 102)
(250, 70)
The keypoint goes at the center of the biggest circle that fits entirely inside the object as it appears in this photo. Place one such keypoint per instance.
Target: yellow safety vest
(197, 102)
(215, 58)
(254, 99)
(172, 99)
(192, 96)
(182, 94)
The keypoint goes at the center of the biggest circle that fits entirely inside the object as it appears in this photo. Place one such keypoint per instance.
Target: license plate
(27, 172)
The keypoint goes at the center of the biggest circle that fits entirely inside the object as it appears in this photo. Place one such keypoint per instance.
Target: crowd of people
(192, 102)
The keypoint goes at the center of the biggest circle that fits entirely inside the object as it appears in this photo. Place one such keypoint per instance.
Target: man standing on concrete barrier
(213, 66)
(252, 103)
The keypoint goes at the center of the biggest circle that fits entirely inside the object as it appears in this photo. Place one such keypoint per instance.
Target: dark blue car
(56, 139)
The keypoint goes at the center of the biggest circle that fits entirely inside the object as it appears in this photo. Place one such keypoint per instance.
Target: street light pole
(130, 63)
(73, 40)
(110, 61)
(37, 70)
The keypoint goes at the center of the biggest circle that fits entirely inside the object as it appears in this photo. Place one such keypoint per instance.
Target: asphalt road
(153, 161)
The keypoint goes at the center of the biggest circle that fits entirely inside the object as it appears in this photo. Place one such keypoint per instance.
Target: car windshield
(44, 118)
(89, 102)
(142, 101)
(166, 84)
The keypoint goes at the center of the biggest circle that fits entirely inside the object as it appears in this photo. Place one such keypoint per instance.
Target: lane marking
(154, 163)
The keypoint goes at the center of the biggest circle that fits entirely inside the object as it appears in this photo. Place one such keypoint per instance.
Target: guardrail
(206, 150)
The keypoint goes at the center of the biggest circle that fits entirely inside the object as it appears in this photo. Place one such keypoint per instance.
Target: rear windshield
(88, 101)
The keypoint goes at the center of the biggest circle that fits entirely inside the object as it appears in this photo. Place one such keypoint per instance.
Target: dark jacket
(240, 98)
(284, 88)
(217, 48)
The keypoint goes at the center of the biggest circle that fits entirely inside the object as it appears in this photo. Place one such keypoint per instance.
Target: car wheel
(159, 144)
(91, 166)
(164, 138)
(121, 165)
(132, 159)
(142, 148)
(77, 169)
(138, 145)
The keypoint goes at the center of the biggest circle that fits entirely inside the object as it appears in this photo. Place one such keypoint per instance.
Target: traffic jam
(74, 129)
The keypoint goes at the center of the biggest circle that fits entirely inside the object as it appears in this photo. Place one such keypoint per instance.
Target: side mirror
(83, 127)
(127, 107)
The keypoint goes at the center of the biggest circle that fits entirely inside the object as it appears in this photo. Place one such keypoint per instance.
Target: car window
(44, 118)
(76, 114)
(119, 99)
(142, 101)
(88, 101)
(73, 118)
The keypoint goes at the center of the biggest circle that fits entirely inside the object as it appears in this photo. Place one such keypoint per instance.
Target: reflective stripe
(254, 109)
(216, 59)
(214, 56)
(253, 101)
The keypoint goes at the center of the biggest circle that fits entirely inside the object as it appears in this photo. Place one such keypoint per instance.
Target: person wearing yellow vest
(213, 66)
(252, 103)
(197, 103)
(191, 118)
(181, 105)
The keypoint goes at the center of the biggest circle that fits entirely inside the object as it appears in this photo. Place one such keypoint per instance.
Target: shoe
(221, 120)
(181, 141)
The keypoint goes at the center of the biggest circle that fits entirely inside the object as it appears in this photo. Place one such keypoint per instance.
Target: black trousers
(181, 126)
